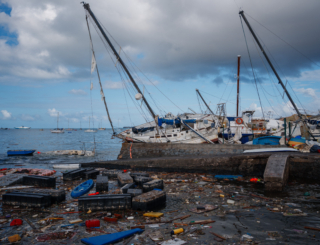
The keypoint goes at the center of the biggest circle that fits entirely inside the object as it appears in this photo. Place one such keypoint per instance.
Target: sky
(171, 48)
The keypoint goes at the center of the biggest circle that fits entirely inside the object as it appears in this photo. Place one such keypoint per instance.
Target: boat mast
(58, 121)
(241, 13)
(238, 84)
(204, 101)
(87, 7)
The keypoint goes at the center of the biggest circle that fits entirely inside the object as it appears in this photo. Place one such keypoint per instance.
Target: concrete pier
(276, 173)
(302, 165)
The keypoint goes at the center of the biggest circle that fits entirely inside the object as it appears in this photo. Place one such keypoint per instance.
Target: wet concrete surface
(246, 214)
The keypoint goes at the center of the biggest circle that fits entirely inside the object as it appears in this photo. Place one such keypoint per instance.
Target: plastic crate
(104, 202)
(112, 173)
(74, 174)
(91, 174)
(25, 199)
(57, 196)
(134, 192)
(140, 180)
(149, 201)
(153, 184)
(39, 181)
(102, 183)
(124, 178)
(125, 188)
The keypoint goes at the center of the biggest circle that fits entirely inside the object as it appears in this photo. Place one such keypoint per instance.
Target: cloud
(54, 113)
(77, 92)
(173, 38)
(307, 76)
(113, 85)
(306, 91)
(218, 80)
(26, 117)
(5, 114)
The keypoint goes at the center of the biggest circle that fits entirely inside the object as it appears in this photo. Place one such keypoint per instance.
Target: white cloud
(306, 91)
(308, 76)
(77, 92)
(5, 114)
(54, 113)
(26, 117)
(112, 85)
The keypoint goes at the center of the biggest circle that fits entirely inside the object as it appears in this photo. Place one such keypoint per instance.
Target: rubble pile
(127, 207)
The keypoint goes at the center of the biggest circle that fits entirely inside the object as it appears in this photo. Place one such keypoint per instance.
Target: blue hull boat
(82, 189)
(20, 152)
(267, 140)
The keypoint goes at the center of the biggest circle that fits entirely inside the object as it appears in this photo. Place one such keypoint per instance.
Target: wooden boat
(82, 189)
(20, 152)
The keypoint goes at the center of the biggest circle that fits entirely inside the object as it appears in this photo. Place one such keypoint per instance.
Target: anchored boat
(20, 152)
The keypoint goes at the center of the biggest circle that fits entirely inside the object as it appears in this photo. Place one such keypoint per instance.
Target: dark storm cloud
(178, 40)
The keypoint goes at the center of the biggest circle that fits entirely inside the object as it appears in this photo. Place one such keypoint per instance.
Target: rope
(101, 89)
(252, 67)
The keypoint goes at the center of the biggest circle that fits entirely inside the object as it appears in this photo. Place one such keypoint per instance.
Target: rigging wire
(252, 67)
(284, 41)
(134, 65)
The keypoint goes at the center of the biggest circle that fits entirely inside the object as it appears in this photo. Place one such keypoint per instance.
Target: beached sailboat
(183, 128)
(90, 130)
(57, 130)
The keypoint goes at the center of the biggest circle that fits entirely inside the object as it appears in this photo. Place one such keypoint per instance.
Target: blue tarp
(141, 130)
(110, 238)
(176, 121)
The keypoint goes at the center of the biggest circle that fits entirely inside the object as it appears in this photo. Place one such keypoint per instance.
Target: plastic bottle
(93, 223)
(177, 231)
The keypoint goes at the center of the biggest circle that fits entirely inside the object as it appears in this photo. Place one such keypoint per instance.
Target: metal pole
(238, 78)
(268, 60)
(285, 130)
(223, 134)
(204, 101)
(87, 7)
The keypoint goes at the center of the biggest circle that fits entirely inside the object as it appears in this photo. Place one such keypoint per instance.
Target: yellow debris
(153, 214)
(221, 195)
(75, 221)
(14, 238)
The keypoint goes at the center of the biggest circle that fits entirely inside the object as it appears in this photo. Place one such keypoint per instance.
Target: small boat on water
(90, 130)
(22, 127)
(82, 189)
(66, 166)
(20, 152)
(57, 130)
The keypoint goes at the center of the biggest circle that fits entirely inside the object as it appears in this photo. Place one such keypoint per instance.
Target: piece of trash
(16, 222)
(205, 208)
(221, 195)
(130, 218)
(93, 223)
(175, 241)
(230, 201)
(89, 212)
(153, 214)
(176, 231)
(110, 238)
(14, 238)
(156, 236)
(93, 194)
(56, 235)
(307, 194)
(110, 220)
(228, 176)
(75, 221)
(246, 237)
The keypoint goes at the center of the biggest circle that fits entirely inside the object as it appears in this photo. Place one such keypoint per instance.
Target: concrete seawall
(140, 150)
(302, 165)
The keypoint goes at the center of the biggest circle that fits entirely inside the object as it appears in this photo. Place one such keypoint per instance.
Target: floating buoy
(38, 152)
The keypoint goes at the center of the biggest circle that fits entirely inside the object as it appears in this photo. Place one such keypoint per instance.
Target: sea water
(45, 141)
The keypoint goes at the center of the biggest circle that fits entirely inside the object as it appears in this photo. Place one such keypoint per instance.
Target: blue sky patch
(10, 37)
(5, 8)
(140, 56)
